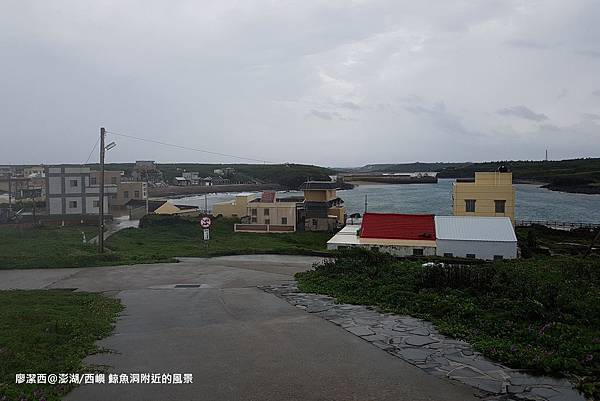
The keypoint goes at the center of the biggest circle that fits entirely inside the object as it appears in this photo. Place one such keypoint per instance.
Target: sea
(533, 202)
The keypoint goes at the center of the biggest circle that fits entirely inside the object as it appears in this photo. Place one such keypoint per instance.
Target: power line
(188, 148)
(94, 148)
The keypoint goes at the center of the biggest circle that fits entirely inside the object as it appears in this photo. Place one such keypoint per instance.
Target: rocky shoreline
(574, 189)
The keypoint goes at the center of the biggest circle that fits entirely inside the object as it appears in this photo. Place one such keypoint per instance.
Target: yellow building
(270, 214)
(490, 194)
(322, 209)
(236, 208)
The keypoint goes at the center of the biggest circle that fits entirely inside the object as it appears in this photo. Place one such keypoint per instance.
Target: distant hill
(289, 176)
(572, 175)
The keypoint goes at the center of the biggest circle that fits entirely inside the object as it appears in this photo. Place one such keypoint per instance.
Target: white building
(490, 238)
(396, 234)
(69, 191)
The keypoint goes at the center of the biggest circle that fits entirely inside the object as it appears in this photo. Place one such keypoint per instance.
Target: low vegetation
(167, 237)
(49, 332)
(540, 314)
(160, 239)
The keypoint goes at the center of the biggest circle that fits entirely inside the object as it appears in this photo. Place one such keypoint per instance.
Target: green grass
(49, 332)
(167, 237)
(537, 314)
(48, 247)
(160, 240)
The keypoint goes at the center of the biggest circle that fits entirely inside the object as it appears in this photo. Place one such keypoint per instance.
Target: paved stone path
(419, 343)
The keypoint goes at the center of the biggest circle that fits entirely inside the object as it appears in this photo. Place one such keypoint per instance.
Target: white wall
(74, 210)
(481, 249)
(395, 250)
(55, 206)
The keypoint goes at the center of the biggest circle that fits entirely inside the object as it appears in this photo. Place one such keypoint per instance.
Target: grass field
(49, 332)
(160, 240)
(163, 237)
(540, 314)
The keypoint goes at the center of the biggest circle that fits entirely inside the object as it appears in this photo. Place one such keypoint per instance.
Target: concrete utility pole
(101, 200)
(9, 192)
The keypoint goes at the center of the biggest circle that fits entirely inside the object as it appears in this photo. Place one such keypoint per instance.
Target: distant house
(490, 238)
(397, 234)
(126, 190)
(489, 194)
(146, 171)
(69, 191)
(236, 208)
(321, 210)
(270, 214)
(137, 208)
(181, 181)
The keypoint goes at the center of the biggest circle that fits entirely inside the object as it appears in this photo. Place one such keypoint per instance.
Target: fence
(561, 225)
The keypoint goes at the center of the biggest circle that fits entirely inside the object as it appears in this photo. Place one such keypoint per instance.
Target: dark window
(267, 221)
(448, 254)
(266, 211)
(470, 205)
(74, 183)
(471, 255)
(93, 180)
(284, 220)
(96, 203)
(498, 257)
(314, 222)
(113, 180)
(126, 194)
(72, 204)
(500, 206)
(136, 194)
(253, 220)
(417, 252)
(254, 212)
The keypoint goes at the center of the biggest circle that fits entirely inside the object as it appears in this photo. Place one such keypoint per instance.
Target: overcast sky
(331, 82)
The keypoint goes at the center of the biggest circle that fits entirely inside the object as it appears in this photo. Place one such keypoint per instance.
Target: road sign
(206, 234)
(205, 222)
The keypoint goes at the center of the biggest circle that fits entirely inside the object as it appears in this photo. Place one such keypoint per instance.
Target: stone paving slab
(419, 343)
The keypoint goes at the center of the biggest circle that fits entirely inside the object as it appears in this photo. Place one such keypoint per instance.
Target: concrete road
(239, 342)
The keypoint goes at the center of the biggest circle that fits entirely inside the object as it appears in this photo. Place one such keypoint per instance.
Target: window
(284, 220)
(471, 255)
(254, 212)
(448, 254)
(417, 252)
(253, 220)
(266, 211)
(113, 180)
(96, 203)
(136, 194)
(74, 183)
(314, 223)
(267, 221)
(126, 194)
(498, 257)
(470, 205)
(500, 206)
(72, 204)
(93, 181)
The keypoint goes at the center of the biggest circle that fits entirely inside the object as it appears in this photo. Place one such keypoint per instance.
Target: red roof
(398, 226)
(268, 197)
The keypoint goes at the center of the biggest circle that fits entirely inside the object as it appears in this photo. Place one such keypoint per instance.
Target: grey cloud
(325, 115)
(596, 92)
(590, 116)
(589, 53)
(350, 106)
(526, 44)
(522, 112)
